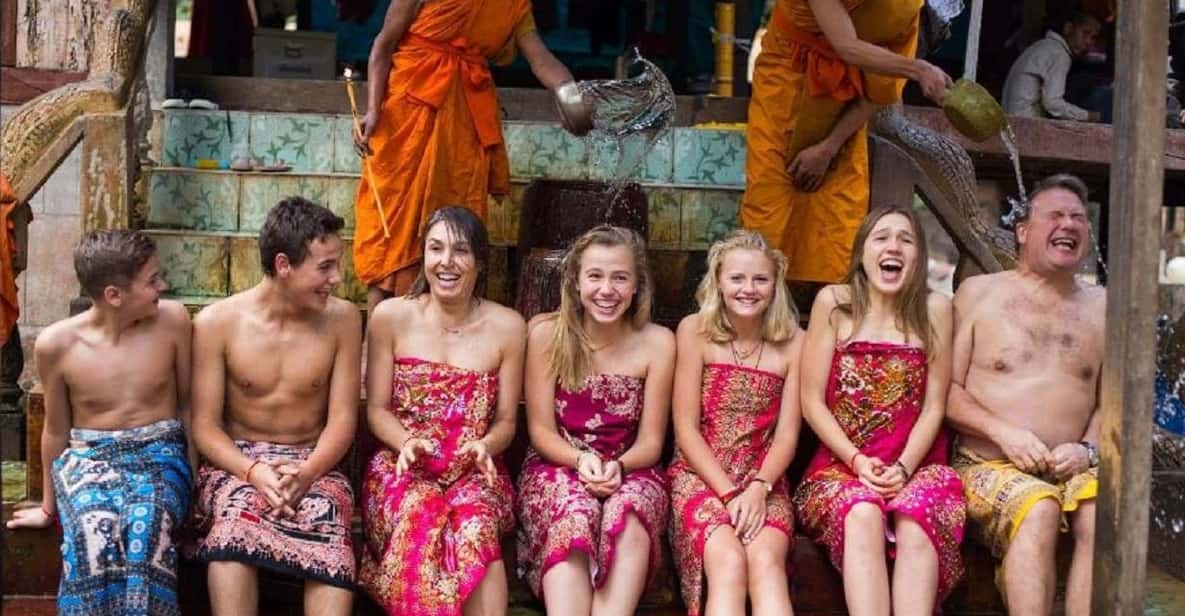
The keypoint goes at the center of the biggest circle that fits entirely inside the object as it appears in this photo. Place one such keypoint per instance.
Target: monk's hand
(874, 474)
(362, 139)
(1070, 459)
(933, 80)
(1026, 451)
(30, 517)
(413, 448)
(480, 453)
(590, 468)
(810, 167)
(269, 483)
(295, 480)
(745, 510)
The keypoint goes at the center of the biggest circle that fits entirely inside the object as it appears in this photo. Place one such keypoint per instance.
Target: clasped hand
(600, 477)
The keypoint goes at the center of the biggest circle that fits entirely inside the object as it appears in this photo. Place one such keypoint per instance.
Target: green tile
(639, 157)
(545, 151)
(344, 158)
(193, 265)
(504, 214)
(192, 134)
(193, 200)
(708, 215)
(665, 217)
(710, 157)
(340, 194)
(261, 192)
(303, 141)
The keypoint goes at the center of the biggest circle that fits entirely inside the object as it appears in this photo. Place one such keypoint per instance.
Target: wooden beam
(7, 32)
(20, 85)
(971, 57)
(1129, 365)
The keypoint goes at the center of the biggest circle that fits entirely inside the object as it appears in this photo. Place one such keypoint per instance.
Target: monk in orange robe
(824, 69)
(9, 302)
(433, 128)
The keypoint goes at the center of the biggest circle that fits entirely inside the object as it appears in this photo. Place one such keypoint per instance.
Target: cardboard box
(288, 54)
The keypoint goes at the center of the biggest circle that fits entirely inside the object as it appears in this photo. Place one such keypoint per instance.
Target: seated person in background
(874, 389)
(116, 474)
(275, 399)
(736, 426)
(1024, 397)
(592, 498)
(1036, 83)
(444, 374)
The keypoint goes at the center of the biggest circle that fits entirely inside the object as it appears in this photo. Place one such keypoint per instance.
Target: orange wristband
(247, 475)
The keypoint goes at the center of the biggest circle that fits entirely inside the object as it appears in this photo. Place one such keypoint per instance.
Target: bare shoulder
(542, 326)
(394, 311)
(508, 323)
(57, 338)
(222, 312)
(1095, 296)
(938, 304)
(343, 313)
(689, 327)
(831, 296)
(658, 337)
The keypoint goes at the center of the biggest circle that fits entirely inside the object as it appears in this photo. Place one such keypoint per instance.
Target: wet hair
(461, 223)
(290, 225)
(780, 321)
(911, 311)
(1064, 181)
(110, 258)
(571, 357)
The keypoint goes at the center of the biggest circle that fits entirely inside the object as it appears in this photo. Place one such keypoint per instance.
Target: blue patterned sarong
(121, 496)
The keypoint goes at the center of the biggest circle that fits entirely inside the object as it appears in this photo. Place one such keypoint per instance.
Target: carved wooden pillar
(109, 165)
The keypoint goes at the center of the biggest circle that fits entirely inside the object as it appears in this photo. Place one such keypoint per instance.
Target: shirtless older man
(1024, 397)
(116, 381)
(276, 382)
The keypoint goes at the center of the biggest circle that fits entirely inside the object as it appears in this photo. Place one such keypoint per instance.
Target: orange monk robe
(9, 302)
(814, 230)
(438, 141)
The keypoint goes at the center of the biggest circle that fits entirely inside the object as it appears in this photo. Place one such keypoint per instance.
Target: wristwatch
(1092, 453)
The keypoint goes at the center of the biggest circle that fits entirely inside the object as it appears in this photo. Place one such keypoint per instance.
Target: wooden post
(971, 57)
(1137, 183)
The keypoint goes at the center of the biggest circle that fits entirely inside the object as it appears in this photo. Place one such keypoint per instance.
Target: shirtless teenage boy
(116, 381)
(275, 402)
(1024, 394)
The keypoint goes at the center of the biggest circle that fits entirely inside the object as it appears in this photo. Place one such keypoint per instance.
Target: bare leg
(567, 587)
(1078, 587)
(234, 588)
(491, 597)
(725, 566)
(1029, 562)
(769, 589)
(865, 573)
(626, 579)
(915, 577)
(322, 598)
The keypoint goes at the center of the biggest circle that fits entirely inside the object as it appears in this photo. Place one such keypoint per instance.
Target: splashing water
(1021, 203)
(630, 116)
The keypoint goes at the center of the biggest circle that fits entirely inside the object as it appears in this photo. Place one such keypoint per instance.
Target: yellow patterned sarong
(999, 496)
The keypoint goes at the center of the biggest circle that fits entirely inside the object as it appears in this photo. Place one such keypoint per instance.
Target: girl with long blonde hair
(592, 499)
(736, 426)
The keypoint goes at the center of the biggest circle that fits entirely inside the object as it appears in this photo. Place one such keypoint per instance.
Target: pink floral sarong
(432, 533)
(557, 514)
(875, 391)
(740, 411)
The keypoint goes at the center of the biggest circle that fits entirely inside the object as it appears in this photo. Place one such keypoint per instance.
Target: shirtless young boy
(116, 381)
(1028, 350)
(275, 402)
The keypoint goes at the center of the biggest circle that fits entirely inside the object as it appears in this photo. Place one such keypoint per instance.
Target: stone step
(680, 217)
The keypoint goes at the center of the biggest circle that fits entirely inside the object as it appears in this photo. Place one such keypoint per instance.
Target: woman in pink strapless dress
(736, 426)
(592, 500)
(444, 373)
(874, 391)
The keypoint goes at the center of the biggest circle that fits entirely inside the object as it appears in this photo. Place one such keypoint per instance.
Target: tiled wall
(692, 178)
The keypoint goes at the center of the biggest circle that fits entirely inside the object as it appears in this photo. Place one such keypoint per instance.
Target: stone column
(158, 57)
